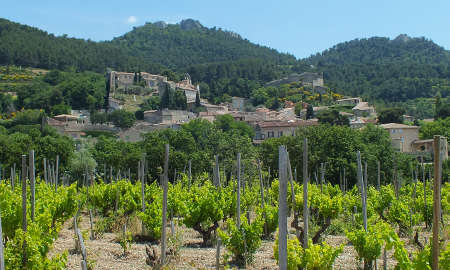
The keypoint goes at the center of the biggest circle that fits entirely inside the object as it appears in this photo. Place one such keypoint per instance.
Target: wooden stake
(91, 221)
(289, 169)
(164, 210)
(32, 183)
(2, 256)
(424, 194)
(436, 199)
(45, 170)
(322, 176)
(141, 169)
(305, 194)
(218, 253)
(189, 174)
(378, 175)
(24, 206)
(238, 203)
(261, 187)
(282, 208)
(396, 185)
(57, 172)
(362, 189)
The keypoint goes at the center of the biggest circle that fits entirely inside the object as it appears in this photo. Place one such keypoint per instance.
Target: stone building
(157, 82)
(237, 103)
(421, 147)
(125, 79)
(310, 79)
(402, 136)
(167, 116)
(363, 109)
(349, 101)
(275, 129)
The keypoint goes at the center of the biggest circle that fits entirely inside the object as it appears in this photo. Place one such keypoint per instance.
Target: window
(262, 136)
(280, 133)
(270, 134)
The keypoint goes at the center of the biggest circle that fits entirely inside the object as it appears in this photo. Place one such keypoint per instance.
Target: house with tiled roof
(276, 129)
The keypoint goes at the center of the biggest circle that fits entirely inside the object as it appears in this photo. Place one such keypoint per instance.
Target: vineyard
(218, 222)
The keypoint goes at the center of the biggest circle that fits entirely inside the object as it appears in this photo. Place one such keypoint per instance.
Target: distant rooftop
(396, 125)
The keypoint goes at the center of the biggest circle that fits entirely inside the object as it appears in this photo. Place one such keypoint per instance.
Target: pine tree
(197, 100)
(309, 112)
(166, 97)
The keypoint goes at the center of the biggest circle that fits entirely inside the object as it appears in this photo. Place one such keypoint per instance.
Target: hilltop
(189, 42)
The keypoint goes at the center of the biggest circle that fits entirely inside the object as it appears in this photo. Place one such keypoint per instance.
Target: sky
(297, 27)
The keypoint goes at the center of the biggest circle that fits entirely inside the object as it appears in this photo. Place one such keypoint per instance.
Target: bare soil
(106, 253)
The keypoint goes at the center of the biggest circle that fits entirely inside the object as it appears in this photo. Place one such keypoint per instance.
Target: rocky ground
(106, 252)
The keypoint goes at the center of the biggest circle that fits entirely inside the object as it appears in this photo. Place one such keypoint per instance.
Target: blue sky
(299, 27)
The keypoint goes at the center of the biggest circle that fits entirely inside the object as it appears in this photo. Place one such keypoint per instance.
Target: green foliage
(271, 218)
(204, 209)
(244, 241)
(227, 123)
(437, 127)
(335, 145)
(315, 257)
(139, 114)
(152, 103)
(383, 69)
(60, 109)
(333, 117)
(98, 118)
(81, 163)
(309, 112)
(122, 118)
(442, 108)
(85, 90)
(125, 240)
(103, 197)
(52, 210)
(368, 244)
(29, 46)
(391, 115)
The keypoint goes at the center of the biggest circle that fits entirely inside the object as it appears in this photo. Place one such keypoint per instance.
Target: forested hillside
(187, 43)
(23, 45)
(386, 70)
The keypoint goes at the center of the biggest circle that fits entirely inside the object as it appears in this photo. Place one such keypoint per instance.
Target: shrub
(242, 242)
(315, 257)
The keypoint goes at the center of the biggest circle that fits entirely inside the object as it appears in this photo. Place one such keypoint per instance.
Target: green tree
(197, 100)
(81, 163)
(139, 114)
(122, 118)
(333, 117)
(309, 112)
(61, 109)
(167, 97)
(298, 108)
(437, 127)
(152, 103)
(391, 115)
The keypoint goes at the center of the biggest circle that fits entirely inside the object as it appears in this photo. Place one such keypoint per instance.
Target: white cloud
(131, 20)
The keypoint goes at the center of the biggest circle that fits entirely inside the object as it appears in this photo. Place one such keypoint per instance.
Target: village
(266, 123)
